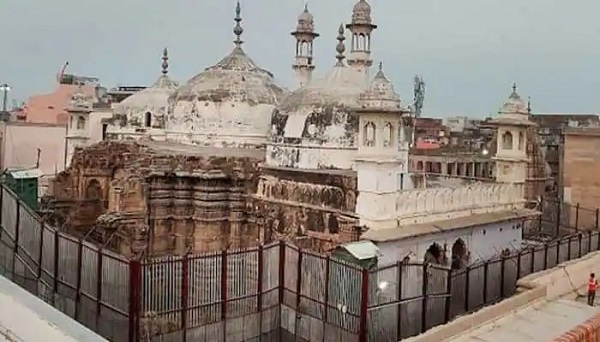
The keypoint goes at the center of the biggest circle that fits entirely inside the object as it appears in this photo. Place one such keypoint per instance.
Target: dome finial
(380, 73)
(340, 48)
(238, 30)
(165, 61)
(529, 105)
(514, 88)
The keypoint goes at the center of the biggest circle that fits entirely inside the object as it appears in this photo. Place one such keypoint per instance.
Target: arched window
(459, 254)
(388, 135)
(521, 140)
(148, 119)
(369, 134)
(507, 141)
(80, 122)
(434, 254)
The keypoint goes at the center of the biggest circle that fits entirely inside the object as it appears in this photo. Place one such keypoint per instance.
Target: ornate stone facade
(157, 198)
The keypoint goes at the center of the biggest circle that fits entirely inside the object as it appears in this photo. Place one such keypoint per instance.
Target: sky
(469, 52)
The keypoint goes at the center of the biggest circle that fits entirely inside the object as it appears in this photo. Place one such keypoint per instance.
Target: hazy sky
(468, 51)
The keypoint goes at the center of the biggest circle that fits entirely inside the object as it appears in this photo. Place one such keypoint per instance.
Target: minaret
(305, 35)
(382, 158)
(361, 28)
(512, 124)
(78, 134)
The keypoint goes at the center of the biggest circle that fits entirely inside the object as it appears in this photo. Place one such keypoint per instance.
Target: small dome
(306, 16)
(514, 104)
(153, 100)
(380, 93)
(342, 87)
(361, 13)
(305, 21)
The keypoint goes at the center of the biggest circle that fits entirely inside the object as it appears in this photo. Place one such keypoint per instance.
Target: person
(592, 286)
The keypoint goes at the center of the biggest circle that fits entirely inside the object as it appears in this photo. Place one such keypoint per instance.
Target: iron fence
(275, 292)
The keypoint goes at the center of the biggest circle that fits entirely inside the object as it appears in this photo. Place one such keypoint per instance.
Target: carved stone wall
(314, 209)
(157, 199)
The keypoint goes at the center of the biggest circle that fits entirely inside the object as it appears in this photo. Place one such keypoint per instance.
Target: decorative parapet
(427, 205)
(443, 202)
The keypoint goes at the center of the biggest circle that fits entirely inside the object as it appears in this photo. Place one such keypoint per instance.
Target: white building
(86, 123)
(465, 223)
(344, 121)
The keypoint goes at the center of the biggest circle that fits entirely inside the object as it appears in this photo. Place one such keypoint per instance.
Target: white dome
(236, 77)
(380, 93)
(153, 99)
(342, 87)
(148, 106)
(514, 104)
(227, 105)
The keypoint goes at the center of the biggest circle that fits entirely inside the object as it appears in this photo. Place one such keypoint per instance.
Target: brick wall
(589, 331)
(580, 176)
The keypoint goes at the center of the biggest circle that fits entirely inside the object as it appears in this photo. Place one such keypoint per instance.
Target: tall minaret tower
(511, 156)
(305, 35)
(382, 158)
(361, 28)
(78, 131)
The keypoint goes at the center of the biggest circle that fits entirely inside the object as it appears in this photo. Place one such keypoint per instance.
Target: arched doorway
(93, 190)
(459, 254)
(434, 254)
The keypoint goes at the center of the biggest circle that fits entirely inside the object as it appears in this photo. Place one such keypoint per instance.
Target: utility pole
(5, 88)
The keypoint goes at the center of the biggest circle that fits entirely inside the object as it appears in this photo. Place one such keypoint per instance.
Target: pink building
(50, 108)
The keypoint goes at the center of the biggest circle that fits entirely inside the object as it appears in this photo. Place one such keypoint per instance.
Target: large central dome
(227, 105)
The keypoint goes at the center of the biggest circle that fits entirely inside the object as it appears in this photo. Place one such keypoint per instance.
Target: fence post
(99, 286)
(56, 259)
(597, 223)
(364, 305)
(589, 241)
(559, 209)
(425, 295)
(502, 275)
(579, 238)
(224, 292)
(577, 216)
(486, 269)
(400, 273)
(259, 286)
(532, 266)
(448, 298)
(568, 247)
(78, 280)
(135, 276)
(16, 246)
(326, 299)
(40, 249)
(299, 281)
(467, 288)
(184, 294)
(519, 264)
(558, 252)
(282, 248)
(546, 256)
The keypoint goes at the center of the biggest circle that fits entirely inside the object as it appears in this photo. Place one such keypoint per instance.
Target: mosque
(231, 159)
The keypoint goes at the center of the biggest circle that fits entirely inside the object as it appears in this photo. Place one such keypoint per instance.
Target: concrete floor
(539, 322)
